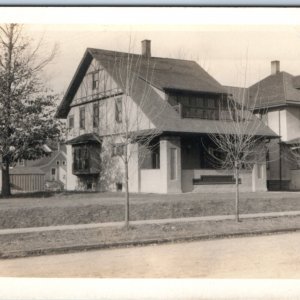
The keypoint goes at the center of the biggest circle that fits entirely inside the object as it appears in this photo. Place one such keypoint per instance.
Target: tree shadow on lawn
(48, 194)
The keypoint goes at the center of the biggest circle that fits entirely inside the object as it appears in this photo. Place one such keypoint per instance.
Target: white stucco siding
(293, 122)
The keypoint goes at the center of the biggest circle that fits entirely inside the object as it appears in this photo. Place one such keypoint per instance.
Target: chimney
(146, 48)
(275, 67)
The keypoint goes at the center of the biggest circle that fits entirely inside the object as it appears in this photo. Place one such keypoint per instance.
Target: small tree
(131, 133)
(237, 137)
(26, 105)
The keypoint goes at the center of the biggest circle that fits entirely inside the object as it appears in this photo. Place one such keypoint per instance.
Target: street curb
(90, 247)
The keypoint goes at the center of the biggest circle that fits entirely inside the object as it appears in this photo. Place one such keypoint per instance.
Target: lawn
(81, 208)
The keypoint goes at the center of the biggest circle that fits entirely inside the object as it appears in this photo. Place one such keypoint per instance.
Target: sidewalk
(145, 222)
(24, 242)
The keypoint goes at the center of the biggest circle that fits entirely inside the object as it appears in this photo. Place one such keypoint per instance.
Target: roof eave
(64, 107)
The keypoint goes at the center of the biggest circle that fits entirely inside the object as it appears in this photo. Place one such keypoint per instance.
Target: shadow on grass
(48, 194)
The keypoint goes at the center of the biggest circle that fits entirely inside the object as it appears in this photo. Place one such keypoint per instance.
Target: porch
(186, 165)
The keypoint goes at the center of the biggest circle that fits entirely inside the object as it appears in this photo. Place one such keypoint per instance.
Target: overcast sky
(235, 46)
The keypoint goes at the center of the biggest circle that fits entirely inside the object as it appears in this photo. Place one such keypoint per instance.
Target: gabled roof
(45, 160)
(279, 89)
(162, 73)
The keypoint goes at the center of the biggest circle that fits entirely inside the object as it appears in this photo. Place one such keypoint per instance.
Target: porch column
(170, 164)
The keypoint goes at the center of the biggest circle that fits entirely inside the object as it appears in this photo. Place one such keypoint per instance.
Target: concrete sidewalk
(143, 222)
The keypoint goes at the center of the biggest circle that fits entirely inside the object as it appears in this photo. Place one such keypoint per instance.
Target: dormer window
(201, 106)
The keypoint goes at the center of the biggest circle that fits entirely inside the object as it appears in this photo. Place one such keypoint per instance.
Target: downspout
(280, 162)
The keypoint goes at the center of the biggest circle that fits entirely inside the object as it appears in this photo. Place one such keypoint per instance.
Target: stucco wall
(293, 122)
(166, 146)
(277, 121)
(151, 181)
(295, 180)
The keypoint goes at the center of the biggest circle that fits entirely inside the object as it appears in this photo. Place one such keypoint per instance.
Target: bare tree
(26, 105)
(130, 133)
(238, 138)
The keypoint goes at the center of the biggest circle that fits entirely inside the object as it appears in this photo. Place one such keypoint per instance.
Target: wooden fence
(28, 182)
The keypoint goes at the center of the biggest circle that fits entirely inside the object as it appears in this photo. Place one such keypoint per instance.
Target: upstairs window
(95, 80)
(96, 115)
(82, 118)
(118, 110)
(202, 106)
(71, 122)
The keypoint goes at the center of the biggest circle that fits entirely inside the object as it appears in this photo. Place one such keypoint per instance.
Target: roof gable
(162, 73)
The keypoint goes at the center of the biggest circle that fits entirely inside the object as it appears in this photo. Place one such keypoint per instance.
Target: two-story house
(174, 98)
(277, 103)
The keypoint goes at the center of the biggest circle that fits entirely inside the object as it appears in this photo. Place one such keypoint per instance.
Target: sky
(235, 45)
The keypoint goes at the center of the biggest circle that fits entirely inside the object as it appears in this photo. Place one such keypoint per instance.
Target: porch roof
(87, 138)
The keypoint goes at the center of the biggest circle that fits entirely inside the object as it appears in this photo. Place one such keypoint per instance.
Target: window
(53, 171)
(57, 162)
(155, 157)
(82, 118)
(96, 115)
(118, 110)
(118, 150)
(173, 163)
(95, 80)
(64, 162)
(71, 122)
(81, 158)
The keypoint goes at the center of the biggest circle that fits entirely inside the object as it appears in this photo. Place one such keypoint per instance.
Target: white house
(175, 99)
(277, 99)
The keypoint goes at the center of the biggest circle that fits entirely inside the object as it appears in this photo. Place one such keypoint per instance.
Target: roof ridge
(137, 54)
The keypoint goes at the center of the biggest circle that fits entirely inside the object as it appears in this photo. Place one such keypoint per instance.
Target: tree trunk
(6, 192)
(237, 194)
(126, 195)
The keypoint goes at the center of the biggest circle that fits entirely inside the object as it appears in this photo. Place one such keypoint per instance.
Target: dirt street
(275, 256)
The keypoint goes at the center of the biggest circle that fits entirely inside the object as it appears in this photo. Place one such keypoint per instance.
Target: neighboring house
(277, 99)
(45, 173)
(190, 97)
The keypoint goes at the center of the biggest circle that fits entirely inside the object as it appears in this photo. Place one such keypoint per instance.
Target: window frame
(118, 110)
(96, 116)
(71, 122)
(82, 118)
(95, 80)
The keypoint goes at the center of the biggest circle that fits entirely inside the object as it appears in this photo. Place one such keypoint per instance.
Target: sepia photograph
(150, 143)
